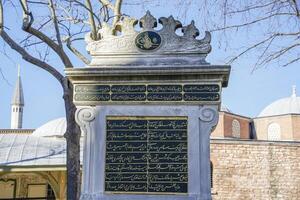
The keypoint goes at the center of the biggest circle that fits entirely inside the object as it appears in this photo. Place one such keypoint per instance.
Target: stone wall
(296, 126)
(244, 169)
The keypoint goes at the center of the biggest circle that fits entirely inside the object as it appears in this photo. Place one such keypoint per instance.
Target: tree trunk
(72, 136)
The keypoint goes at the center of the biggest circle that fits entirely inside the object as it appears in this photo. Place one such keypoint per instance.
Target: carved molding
(84, 116)
(209, 114)
(208, 119)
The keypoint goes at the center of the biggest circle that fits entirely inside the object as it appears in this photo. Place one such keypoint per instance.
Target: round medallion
(148, 40)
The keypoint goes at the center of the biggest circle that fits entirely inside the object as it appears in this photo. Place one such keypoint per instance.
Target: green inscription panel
(146, 155)
(147, 93)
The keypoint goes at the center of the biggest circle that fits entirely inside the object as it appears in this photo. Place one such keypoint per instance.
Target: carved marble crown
(148, 46)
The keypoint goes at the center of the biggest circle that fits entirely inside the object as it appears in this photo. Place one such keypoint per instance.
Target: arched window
(274, 132)
(211, 175)
(236, 129)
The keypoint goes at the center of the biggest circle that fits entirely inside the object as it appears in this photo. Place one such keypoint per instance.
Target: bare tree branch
(76, 52)
(69, 18)
(251, 22)
(252, 7)
(272, 27)
(26, 56)
(28, 44)
(278, 53)
(3, 77)
(117, 11)
(38, 2)
(270, 38)
(27, 26)
(105, 13)
(292, 61)
(54, 19)
(1, 17)
(39, 28)
(86, 8)
(296, 8)
(94, 31)
(107, 4)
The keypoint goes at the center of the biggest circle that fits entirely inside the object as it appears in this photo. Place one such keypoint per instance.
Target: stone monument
(147, 104)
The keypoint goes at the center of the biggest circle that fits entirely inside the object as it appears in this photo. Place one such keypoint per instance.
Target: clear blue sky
(247, 93)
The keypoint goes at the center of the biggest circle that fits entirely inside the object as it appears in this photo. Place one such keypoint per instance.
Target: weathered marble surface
(148, 56)
(121, 50)
(201, 120)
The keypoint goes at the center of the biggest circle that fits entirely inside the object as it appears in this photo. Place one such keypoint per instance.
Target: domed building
(251, 158)
(53, 128)
(32, 162)
(280, 120)
(232, 125)
(257, 158)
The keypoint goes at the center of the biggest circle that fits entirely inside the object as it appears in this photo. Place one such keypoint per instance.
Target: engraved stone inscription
(146, 155)
(162, 93)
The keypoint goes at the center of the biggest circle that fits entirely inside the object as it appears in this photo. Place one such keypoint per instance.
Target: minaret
(17, 105)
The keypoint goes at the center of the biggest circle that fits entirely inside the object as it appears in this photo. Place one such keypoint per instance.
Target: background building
(258, 158)
(251, 158)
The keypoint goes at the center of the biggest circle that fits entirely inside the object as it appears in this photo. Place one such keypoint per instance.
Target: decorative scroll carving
(84, 116)
(208, 114)
(208, 119)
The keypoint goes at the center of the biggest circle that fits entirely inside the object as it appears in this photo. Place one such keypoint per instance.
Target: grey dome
(54, 128)
(289, 105)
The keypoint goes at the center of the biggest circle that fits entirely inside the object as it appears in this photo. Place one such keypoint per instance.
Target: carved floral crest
(125, 39)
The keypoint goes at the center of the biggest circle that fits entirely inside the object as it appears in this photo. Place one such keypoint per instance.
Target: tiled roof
(26, 150)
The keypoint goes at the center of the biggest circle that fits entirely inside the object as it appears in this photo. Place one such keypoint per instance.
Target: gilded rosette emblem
(148, 40)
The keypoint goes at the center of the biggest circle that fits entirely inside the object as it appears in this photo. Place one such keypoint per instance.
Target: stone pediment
(125, 45)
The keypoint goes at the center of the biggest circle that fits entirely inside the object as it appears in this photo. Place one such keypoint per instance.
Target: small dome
(289, 105)
(54, 128)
